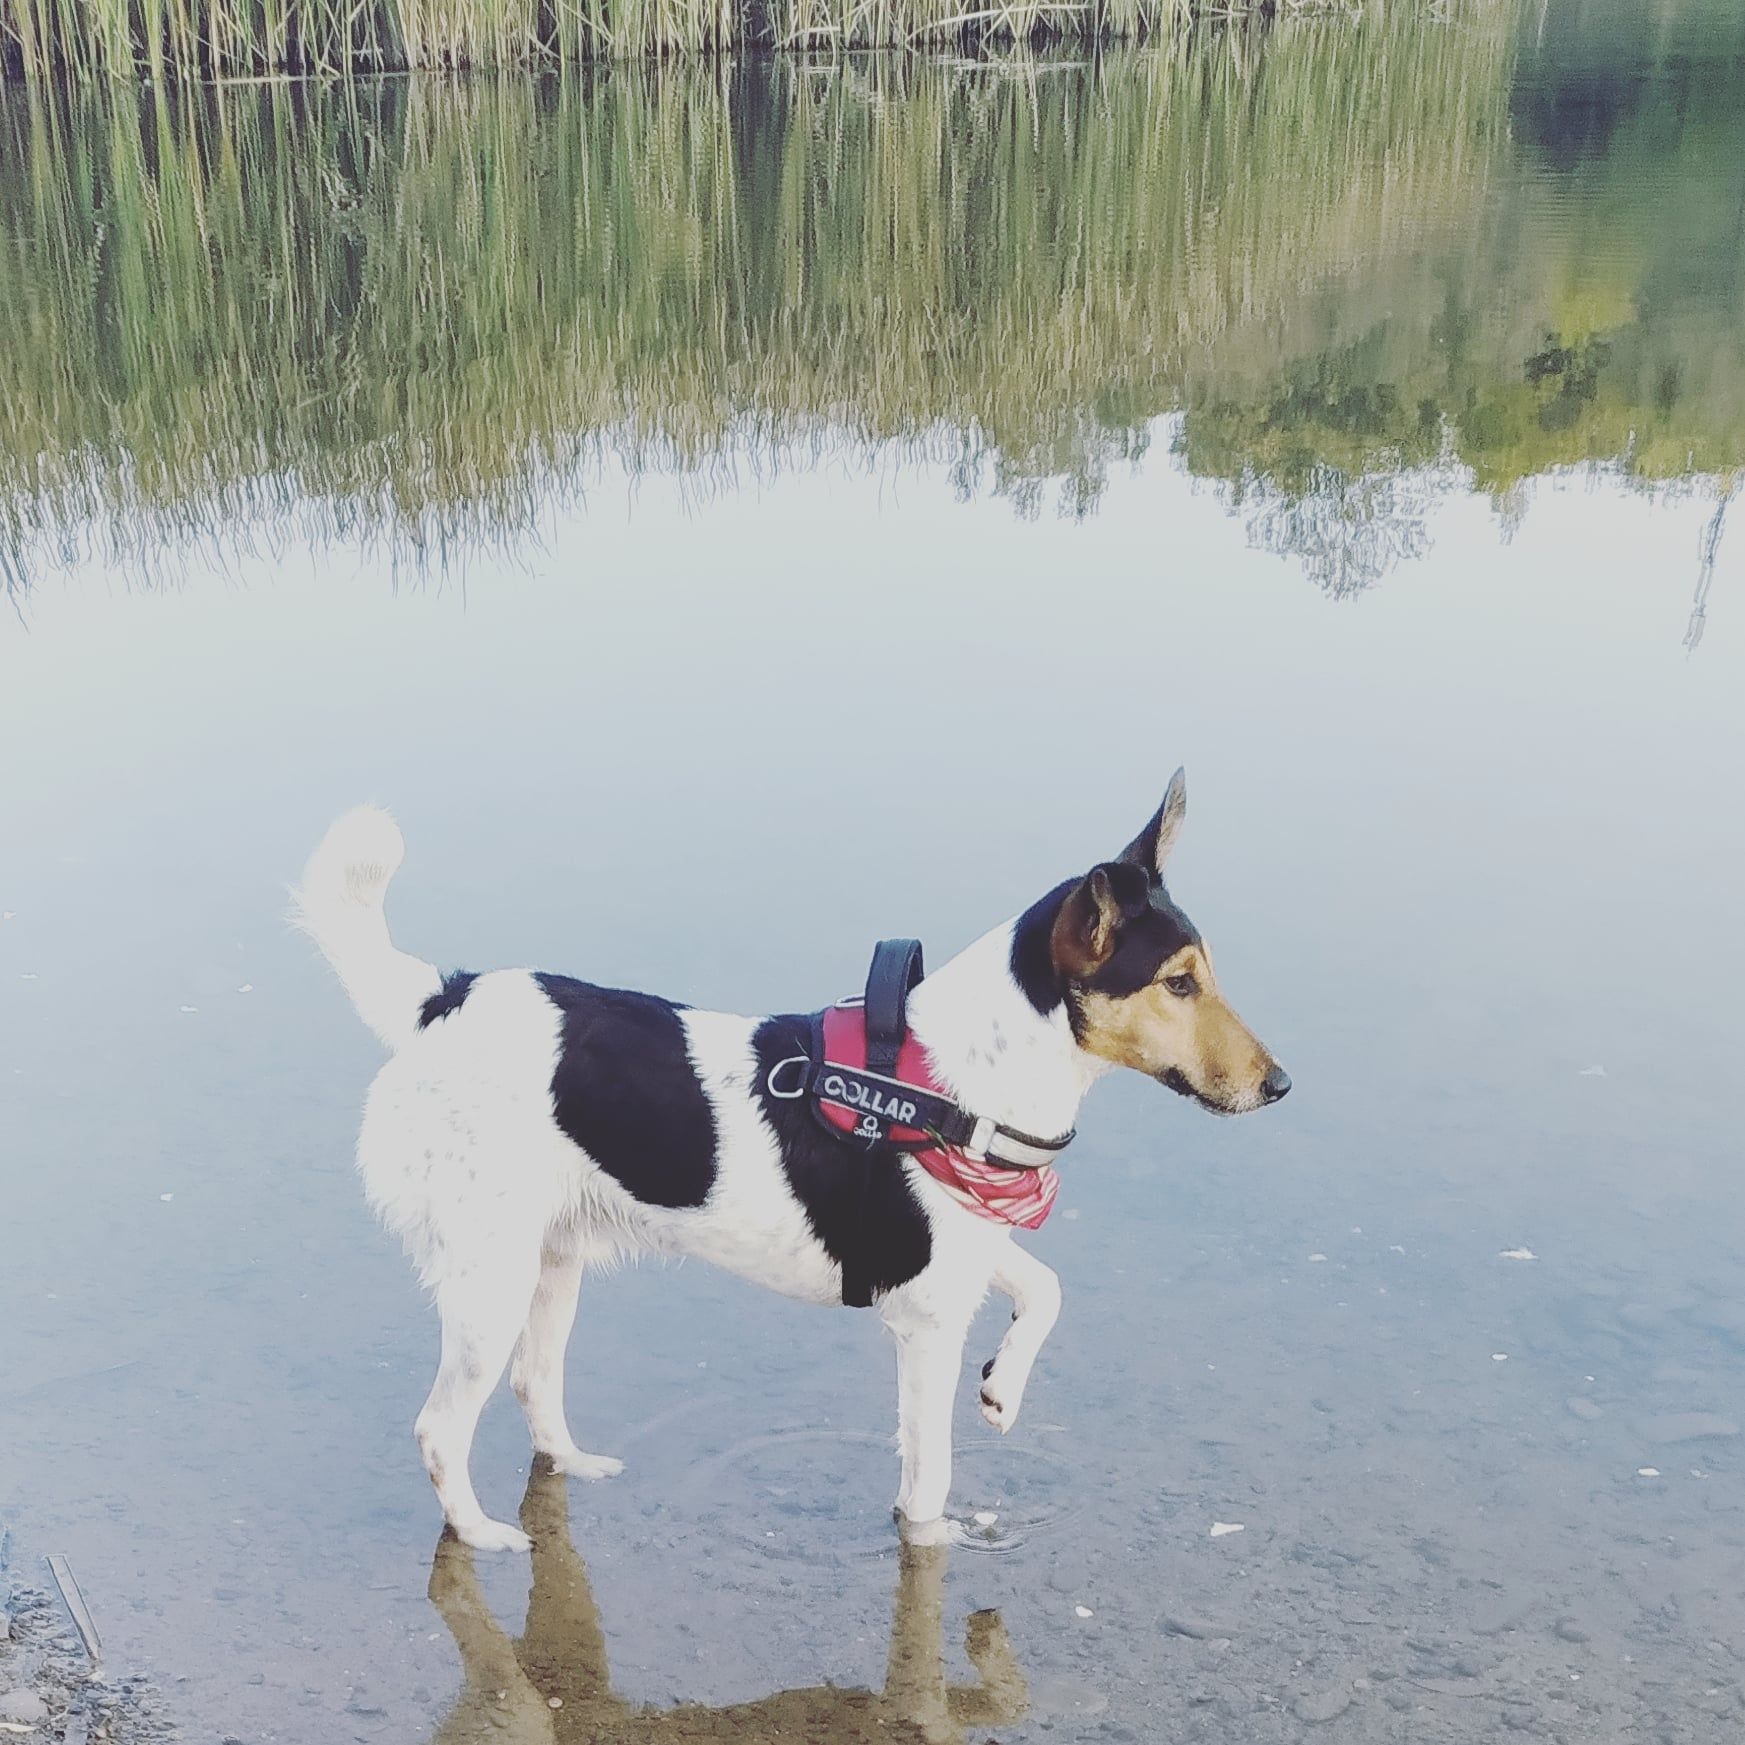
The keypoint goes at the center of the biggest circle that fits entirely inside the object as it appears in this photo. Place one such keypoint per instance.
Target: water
(1370, 457)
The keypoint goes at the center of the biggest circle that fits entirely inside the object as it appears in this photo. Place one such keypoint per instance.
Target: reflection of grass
(122, 39)
(1596, 317)
(402, 302)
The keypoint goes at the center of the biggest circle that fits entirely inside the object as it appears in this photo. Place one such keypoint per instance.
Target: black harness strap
(879, 1102)
(895, 972)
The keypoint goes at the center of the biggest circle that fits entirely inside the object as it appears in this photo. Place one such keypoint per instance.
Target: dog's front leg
(929, 1362)
(1035, 1293)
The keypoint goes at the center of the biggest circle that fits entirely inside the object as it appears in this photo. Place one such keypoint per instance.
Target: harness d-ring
(801, 1060)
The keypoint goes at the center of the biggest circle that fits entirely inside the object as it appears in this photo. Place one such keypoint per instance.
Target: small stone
(1687, 1427)
(1318, 1707)
(1570, 1631)
(1083, 1612)
(1196, 1629)
(1502, 1614)
(1585, 1409)
(23, 1706)
(1221, 1528)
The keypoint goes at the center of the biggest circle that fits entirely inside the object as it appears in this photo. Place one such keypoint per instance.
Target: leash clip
(976, 1150)
(800, 1060)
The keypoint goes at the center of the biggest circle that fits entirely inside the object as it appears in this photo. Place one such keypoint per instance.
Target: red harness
(1023, 1197)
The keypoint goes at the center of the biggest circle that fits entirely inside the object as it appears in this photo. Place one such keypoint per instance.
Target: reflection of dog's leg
(563, 1648)
(497, 1700)
(1002, 1696)
(915, 1670)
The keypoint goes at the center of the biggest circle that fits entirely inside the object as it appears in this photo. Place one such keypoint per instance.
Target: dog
(528, 1126)
(552, 1685)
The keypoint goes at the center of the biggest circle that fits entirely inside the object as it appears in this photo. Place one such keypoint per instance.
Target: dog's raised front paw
(995, 1409)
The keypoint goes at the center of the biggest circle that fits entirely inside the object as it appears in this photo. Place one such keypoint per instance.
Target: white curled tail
(339, 905)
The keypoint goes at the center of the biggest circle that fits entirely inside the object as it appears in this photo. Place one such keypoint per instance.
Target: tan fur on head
(1194, 1042)
(1140, 983)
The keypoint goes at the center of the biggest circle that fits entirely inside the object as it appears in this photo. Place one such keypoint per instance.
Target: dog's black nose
(1275, 1084)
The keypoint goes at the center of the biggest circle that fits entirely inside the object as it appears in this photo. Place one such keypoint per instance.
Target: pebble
(24, 1706)
(1503, 1613)
(1220, 1528)
(1320, 1706)
(1687, 1427)
(1196, 1629)
(1584, 1408)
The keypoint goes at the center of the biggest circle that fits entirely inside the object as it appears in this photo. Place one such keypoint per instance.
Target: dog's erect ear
(1083, 939)
(1151, 847)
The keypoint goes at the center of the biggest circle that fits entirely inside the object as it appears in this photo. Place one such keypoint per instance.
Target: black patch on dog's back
(858, 1202)
(624, 1090)
(1032, 950)
(450, 997)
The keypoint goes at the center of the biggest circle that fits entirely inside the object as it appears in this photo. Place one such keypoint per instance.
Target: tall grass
(408, 299)
(417, 307)
(183, 39)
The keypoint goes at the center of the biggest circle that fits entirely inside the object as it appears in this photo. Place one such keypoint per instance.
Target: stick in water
(77, 1610)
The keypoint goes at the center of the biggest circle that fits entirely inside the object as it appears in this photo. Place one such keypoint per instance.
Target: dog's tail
(339, 905)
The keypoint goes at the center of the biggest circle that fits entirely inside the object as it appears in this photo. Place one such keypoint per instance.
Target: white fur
(502, 1213)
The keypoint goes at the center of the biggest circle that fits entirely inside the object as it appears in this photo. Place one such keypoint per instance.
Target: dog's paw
(995, 1409)
(934, 1532)
(486, 1535)
(573, 1463)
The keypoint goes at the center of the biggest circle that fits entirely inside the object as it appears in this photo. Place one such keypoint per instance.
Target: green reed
(163, 39)
(396, 297)
(417, 307)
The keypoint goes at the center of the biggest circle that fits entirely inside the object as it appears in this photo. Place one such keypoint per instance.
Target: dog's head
(1138, 980)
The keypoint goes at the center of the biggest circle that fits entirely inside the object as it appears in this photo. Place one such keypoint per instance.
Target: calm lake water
(1350, 411)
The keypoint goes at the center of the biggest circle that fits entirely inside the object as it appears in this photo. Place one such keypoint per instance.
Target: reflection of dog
(529, 1124)
(560, 1658)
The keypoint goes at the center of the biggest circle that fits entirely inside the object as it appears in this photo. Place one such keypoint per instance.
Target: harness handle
(896, 968)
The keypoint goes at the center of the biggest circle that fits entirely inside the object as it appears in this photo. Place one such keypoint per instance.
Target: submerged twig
(74, 1600)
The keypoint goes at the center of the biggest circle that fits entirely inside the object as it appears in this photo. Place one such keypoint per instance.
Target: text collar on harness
(870, 1080)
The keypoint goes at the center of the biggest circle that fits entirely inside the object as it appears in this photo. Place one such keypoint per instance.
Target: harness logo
(852, 1094)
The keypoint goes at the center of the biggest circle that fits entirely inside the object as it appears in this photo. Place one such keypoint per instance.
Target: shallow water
(1459, 693)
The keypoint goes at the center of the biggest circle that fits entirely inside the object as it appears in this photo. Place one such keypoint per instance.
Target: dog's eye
(1181, 985)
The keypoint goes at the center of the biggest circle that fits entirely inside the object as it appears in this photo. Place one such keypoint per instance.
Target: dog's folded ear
(1152, 846)
(1088, 926)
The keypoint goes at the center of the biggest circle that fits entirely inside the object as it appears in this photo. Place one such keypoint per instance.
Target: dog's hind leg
(1035, 1293)
(483, 1304)
(537, 1372)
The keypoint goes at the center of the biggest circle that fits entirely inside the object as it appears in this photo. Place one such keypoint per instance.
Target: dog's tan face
(1141, 991)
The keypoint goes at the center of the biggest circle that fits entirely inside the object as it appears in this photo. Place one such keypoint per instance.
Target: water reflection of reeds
(414, 307)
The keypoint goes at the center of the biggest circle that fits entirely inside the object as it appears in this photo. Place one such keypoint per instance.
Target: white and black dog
(529, 1125)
